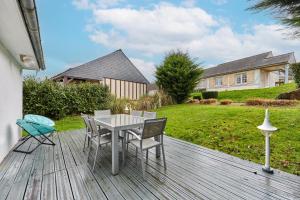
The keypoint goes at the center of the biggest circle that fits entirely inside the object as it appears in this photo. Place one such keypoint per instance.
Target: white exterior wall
(10, 101)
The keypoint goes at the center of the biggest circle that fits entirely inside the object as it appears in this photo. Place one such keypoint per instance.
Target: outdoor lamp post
(267, 129)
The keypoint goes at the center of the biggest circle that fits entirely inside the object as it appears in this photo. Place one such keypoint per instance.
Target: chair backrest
(101, 113)
(27, 127)
(93, 125)
(136, 113)
(86, 122)
(149, 115)
(153, 127)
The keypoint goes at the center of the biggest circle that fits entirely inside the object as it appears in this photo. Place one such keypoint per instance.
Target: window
(219, 81)
(241, 78)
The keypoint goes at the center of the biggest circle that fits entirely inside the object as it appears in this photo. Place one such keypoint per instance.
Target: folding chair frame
(40, 142)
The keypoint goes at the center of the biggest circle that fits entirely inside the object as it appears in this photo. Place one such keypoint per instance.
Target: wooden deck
(194, 172)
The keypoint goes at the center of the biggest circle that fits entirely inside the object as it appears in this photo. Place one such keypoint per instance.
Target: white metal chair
(149, 115)
(87, 129)
(152, 128)
(102, 113)
(100, 138)
(137, 113)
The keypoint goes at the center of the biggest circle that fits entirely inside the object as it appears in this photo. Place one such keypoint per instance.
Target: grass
(69, 123)
(266, 93)
(231, 129)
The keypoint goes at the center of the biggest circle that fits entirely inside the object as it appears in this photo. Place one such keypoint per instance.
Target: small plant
(198, 97)
(210, 95)
(226, 102)
(208, 101)
(271, 102)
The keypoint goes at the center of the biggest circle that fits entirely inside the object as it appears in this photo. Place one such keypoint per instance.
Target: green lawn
(268, 93)
(69, 123)
(231, 129)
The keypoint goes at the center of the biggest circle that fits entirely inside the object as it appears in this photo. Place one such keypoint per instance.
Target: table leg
(115, 152)
(157, 138)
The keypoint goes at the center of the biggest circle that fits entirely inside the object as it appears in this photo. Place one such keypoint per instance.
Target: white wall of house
(10, 101)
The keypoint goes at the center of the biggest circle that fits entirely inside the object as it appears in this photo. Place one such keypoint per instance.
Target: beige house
(258, 71)
(114, 70)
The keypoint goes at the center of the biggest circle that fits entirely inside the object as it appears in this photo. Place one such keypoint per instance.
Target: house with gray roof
(114, 70)
(258, 71)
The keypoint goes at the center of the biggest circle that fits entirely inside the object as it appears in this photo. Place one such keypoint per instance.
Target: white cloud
(157, 30)
(147, 68)
(151, 31)
(164, 27)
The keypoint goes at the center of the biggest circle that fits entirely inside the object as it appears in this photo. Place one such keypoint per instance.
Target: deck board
(193, 172)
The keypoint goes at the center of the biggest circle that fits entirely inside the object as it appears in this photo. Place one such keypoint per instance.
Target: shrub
(53, 100)
(225, 102)
(296, 73)
(178, 75)
(293, 95)
(208, 101)
(144, 103)
(271, 102)
(198, 97)
(118, 105)
(210, 95)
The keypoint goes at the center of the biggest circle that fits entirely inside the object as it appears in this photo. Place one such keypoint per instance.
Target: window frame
(216, 81)
(243, 77)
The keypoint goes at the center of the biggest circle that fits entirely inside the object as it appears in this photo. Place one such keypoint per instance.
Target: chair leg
(136, 154)
(123, 151)
(142, 163)
(127, 140)
(88, 154)
(164, 157)
(84, 142)
(95, 157)
(147, 152)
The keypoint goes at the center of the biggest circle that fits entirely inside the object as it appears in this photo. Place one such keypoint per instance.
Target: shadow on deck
(194, 172)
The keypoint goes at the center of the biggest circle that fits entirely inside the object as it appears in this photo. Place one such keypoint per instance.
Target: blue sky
(213, 31)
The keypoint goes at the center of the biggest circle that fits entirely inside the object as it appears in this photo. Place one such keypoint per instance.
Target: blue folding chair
(37, 131)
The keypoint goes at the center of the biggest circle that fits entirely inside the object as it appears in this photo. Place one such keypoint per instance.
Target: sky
(211, 31)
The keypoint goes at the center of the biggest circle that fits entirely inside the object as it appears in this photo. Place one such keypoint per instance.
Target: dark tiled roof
(252, 62)
(115, 65)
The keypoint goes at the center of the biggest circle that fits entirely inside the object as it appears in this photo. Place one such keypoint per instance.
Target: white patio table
(117, 123)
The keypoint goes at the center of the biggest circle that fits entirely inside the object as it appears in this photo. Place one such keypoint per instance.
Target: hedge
(210, 95)
(53, 100)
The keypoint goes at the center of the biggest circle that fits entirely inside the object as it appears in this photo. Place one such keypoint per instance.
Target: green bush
(210, 95)
(53, 100)
(296, 73)
(199, 97)
(178, 75)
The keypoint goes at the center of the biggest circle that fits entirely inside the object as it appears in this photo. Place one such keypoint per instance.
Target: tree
(287, 11)
(178, 75)
(296, 73)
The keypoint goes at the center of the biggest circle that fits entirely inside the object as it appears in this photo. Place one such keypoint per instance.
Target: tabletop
(120, 120)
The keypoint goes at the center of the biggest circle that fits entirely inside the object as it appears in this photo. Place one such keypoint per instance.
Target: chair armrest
(134, 134)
